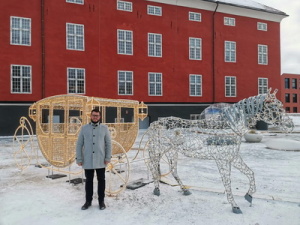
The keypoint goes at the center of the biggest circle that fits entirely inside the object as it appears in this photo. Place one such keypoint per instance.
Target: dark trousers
(89, 175)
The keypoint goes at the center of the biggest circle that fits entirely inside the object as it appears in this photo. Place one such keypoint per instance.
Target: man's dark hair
(96, 110)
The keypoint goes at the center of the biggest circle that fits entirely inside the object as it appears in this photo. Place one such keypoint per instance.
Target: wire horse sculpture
(216, 136)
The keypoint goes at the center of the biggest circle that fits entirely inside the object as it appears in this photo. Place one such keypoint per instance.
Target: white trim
(230, 86)
(195, 38)
(223, 8)
(83, 39)
(125, 2)
(155, 44)
(30, 31)
(84, 79)
(73, 2)
(194, 84)
(155, 8)
(125, 86)
(11, 81)
(125, 41)
(161, 76)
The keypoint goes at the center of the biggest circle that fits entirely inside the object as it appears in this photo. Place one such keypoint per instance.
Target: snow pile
(28, 197)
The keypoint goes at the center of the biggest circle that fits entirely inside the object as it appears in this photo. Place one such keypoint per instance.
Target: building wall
(292, 105)
(49, 57)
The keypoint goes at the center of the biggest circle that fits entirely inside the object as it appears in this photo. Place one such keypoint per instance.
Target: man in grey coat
(93, 153)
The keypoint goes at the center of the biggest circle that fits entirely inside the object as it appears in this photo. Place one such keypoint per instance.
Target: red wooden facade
(290, 92)
(49, 58)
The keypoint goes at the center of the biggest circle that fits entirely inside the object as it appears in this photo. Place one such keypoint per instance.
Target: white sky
(290, 34)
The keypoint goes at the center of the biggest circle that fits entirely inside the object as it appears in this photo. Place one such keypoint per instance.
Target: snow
(250, 4)
(28, 197)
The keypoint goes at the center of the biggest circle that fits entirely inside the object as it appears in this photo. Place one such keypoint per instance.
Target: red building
(177, 56)
(290, 92)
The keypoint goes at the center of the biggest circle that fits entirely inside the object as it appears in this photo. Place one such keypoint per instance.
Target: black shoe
(102, 206)
(86, 205)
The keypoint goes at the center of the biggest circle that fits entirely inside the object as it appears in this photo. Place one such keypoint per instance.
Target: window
(75, 36)
(154, 45)
(20, 79)
(195, 85)
(294, 83)
(262, 26)
(20, 29)
(295, 100)
(76, 81)
(125, 42)
(195, 116)
(230, 51)
(263, 54)
(262, 85)
(193, 16)
(287, 97)
(195, 46)
(295, 109)
(76, 1)
(230, 86)
(287, 83)
(125, 82)
(155, 84)
(154, 10)
(124, 6)
(287, 109)
(229, 21)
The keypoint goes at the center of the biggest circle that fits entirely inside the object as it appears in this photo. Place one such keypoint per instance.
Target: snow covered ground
(28, 197)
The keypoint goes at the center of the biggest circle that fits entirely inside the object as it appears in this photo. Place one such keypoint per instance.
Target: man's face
(95, 116)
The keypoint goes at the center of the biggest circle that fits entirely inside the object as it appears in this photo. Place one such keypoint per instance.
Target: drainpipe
(43, 45)
(213, 60)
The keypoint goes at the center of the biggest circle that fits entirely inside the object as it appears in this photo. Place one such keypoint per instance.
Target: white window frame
(21, 79)
(195, 50)
(80, 2)
(230, 86)
(262, 54)
(194, 16)
(229, 21)
(126, 82)
(125, 44)
(76, 79)
(124, 6)
(230, 51)
(23, 32)
(262, 26)
(154, 10)
(263, 85)
(75, 37)
(156, 84)
(155, 46)
(197, 86)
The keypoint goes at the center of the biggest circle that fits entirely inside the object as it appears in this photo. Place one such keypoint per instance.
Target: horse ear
(275, 91)
(269, 91)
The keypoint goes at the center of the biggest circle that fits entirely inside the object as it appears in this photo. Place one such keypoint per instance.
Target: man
(93, 153)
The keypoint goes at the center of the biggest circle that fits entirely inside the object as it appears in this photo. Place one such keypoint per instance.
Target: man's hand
(106, 162)
(79, 164)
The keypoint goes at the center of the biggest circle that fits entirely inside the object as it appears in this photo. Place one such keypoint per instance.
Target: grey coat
(93, 146)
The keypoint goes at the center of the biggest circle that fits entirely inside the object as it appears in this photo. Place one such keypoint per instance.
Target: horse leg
(154, 159)
(241, 166)
(173, 159)
(225, 170)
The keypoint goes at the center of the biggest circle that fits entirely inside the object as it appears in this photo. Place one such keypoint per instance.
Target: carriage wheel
(22, 144)
(117, 171)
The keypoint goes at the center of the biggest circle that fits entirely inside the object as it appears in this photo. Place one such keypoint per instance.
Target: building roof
(250, 5)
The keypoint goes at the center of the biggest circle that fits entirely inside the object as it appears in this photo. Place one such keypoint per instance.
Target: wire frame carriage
(58, 122)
